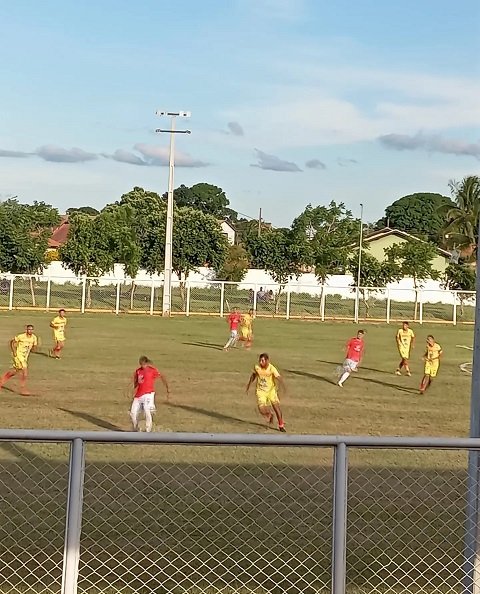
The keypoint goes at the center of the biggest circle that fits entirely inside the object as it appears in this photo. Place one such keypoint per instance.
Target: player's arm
(440, 353)
(412, 343)
(252, 378)
(13, 346)
(52, 325)
(281, 383)
(165, 384)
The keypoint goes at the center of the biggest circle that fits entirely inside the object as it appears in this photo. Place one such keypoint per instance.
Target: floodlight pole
(357, 305)
(167, 269)
(472, 528)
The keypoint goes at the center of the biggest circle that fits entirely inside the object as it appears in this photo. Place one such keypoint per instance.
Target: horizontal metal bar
(248, 439)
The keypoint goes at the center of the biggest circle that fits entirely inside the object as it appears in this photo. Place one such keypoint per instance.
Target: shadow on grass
(337, 363)
(312, 376)
(206, 345)
(91, 419)
(387, 384)
(214, 415)
(42, 354)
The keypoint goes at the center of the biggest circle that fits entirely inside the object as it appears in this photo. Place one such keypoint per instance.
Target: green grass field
(217, 519)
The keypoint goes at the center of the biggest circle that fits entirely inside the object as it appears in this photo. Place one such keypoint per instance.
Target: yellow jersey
(24, 344)
(405, 337)
(58, 324)
(433, 352)
(246, 321)
(266, 379)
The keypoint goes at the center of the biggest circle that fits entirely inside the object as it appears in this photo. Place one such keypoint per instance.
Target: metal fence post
(322, 304)
(287, 314)
(73, 524)
(357, 305)
(222, 298)
(454, 320)
(117, 298)
(339, 548)
(254, 304)
(47, 302)
(187, 305)
(152, 297)
(10, 296)
(420, 306)
(388, 307)
(84, 293)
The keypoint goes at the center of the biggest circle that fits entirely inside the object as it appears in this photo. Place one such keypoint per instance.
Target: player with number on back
(233, 320)
(431, 357)
(405, 342)
(246, 328)
(144, 398)
(266, 376)
(21, 347)
(354, 354)
(58, 325)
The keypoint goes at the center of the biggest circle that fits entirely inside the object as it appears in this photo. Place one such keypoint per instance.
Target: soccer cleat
(409, 374)
(398, 372)
(340, 385)
(270, 419)
(282, 429)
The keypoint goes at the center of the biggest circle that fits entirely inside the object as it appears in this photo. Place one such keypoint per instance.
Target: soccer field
(191, 519)
(87, 389)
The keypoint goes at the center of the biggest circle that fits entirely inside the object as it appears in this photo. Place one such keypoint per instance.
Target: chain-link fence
(248, 514)
(218, 298)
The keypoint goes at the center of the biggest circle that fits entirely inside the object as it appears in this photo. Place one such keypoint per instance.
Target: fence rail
(217, 298)
(104, 512)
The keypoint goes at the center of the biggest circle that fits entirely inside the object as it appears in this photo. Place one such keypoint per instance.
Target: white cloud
(430, 143)
(58, 154)
(274, 163)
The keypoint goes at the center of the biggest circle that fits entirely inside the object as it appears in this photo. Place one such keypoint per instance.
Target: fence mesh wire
(205, 298)
(216, 523)
(33, 495)
(406, 522)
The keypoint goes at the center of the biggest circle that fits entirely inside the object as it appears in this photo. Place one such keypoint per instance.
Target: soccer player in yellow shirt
(405, 342)
(267, 376)
(246, 328)
(58, 324)
(21, 346)
(431, 357)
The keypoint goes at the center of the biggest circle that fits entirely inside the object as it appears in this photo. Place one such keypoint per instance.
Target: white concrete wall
(254, 279)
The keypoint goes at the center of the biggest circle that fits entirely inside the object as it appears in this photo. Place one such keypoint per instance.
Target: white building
(228, 230)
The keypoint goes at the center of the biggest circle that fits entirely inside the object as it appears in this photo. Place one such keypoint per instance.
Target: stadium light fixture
(167, 270)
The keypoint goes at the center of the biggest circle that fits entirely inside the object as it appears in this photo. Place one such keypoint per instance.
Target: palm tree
(461, 230)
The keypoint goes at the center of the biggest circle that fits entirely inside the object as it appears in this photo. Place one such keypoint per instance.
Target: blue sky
(292, 101)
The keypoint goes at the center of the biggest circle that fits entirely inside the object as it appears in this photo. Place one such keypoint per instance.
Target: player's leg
(135, 412)
(23, 381)
(425, 383)
(278, 414)
(406, 364)
(347, 370)
(6, 376)
(266, 412)
(229, 342)
(149, 408)
(234, 338)
(59, 344)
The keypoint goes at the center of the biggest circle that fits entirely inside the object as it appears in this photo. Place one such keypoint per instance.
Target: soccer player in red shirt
(354, 355)
(144, 397)
(233, 321)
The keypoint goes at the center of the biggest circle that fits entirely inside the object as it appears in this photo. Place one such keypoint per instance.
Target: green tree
(88, 250)
(331, 231)
(208, 198)
(460, 278)
(419, 214)
(462, 219)
(88, 210)
(197, 241)
(282, 253)
(235, 266)
(374, 276)
(414, 260)
(24, 233)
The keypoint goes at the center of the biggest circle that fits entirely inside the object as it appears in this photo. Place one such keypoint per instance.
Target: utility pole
(167, 270)
(259, 222)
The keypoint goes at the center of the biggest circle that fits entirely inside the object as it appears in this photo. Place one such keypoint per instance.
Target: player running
(58, 325)
(246, 328)
(431, 357)
(354, 355)
(267, 376)
(233, 320)
(21, 347)
(405, 343)
(144, 397)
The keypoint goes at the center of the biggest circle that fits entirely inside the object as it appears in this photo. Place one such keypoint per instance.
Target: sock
(148, 421)
(345, 376)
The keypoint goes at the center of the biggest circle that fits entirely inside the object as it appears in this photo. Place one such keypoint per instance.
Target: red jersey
(145, 380)
(234, 320)
(355, 349)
